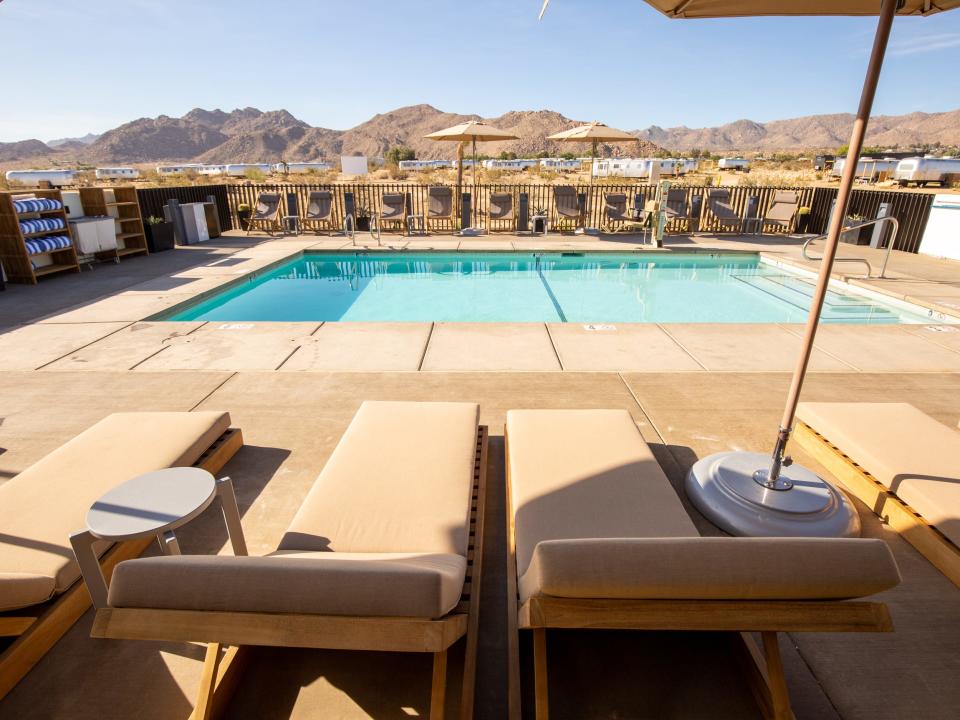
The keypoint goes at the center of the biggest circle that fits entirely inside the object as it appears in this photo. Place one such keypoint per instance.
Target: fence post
(523, 211)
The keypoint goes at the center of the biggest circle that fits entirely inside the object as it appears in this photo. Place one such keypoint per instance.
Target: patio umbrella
(749, 493)
(473, 131)
(594, 133)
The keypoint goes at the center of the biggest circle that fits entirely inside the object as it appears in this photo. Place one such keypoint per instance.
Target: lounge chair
(782, 211)
(678, 209)
(266, 214)
(393, 211)
(501, 212)
(617, 214)
(723, 214)
(320, 212)
(901, 463)
(440, 210)
(384, 554)
(597, 538)
(567, 213)
(40, 596)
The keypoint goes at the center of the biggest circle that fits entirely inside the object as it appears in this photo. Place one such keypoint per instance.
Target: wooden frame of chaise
(440, 209)
(900, 462)
(616, 213)
(384, 554)
(782, 211)
(41, 595)
(501, 212)
(678, 207)
(597, 538)
(319, 213)
(721, 211)
(567, 213)
(266, 214)
(394, 209)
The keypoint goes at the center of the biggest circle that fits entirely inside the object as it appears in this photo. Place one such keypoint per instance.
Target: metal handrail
(867, 223)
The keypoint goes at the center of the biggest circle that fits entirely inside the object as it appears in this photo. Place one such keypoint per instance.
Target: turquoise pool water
(534, 287)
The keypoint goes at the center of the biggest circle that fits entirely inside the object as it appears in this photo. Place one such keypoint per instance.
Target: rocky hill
(23, 150)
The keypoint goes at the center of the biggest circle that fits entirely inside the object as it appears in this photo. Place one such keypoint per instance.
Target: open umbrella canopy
(592, 132)
(472, 130)
(747, 8)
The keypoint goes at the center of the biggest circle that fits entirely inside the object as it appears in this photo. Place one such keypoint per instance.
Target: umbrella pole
(473, 203)
(769, 478)
(459, 199)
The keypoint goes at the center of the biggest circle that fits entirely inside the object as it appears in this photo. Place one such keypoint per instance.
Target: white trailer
(560, 164)
(178, 169)
(117, 173)
(418, 165)
(734, 163)
(921, 171)
(509, 164)
(211, 169)
(57, 178)
(240, 169)
(870, 169)
(689, 165)
(636, 167)
(301, 167)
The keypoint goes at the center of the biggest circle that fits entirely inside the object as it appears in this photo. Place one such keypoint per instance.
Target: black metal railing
(152, 200)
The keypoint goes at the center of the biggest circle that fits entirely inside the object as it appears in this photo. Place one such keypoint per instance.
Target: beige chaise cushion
(43, 505)
(907, 451)
(400, 480)
(586, 474)
(325, 583)
(714, 568)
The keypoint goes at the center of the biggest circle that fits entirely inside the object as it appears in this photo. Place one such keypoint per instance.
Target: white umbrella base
(722, 487)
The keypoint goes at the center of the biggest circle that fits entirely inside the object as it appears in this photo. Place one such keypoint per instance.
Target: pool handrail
(857, 226)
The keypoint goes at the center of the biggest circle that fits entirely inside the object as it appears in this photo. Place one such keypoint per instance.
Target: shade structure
(735, 490)
(473, 131)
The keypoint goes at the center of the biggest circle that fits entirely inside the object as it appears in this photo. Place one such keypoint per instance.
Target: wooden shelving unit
(125, 210)
(19, 264)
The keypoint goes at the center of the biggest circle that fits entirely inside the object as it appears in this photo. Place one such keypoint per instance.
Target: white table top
(152, 503)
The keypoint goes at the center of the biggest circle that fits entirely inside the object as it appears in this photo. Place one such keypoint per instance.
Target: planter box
(363, 223)
(159, 236)
(243, 216)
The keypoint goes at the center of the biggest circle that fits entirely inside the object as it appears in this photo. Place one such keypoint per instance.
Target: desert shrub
(254, 175)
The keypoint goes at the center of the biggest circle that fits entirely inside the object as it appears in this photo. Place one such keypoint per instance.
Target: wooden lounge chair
(678, 209)
(617, 215)
(440, 211)
(722, 213)
(900, 462)
(266, 214)
(393, 211)
(384, 554)
(320, 212)
(501, 212)
(40, 596)
(782, 211)
(597, 538)
(567, 214)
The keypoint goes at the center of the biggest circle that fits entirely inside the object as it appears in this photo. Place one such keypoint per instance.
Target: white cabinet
(194, 223)
(93, 235)
(942, 235)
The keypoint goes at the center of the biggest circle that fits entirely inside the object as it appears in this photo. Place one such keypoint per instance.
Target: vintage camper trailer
(178, 169)
(240, 169)
(734, 163)
(920, 171)
(301, 167)
(517, 164)
(417, 165)
(211, 169)
(117, 173)
(869, 169)
(57, 178)
(559, 164)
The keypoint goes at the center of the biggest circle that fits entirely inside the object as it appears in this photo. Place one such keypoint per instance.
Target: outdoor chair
(597, 538)
(501, 212)
(782, 211)
(266, 214)
(40, 596)
(678, 209)
(723, 214)
(385, 553)
(567, 213)
(320, 212)
(617, 215)
(393, 211)
(900, 462)
(440, 209)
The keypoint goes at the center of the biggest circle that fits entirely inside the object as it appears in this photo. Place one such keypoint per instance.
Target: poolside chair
(723, 215)
(320, 212)
(900, 462)
(40, 596)
(393, 211)
(501, 212)
(266, 214)
(616, 214)
(440, 210)
(678, 209)
(567, 213)
(782, 211)
(384, 554)
(597, 538)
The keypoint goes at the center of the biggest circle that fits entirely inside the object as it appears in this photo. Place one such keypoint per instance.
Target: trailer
(689, 165)
(57, 178)
(517, 164)
(560, 164)
(178, 169)
(734, 163)
(117, 173)
(921, 171)
(636, 167)
(211, 170)
(301, 167)
(240, 169)
(418, 165)
(868, 169)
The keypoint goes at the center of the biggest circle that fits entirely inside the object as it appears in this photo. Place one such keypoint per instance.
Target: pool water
(535, 287)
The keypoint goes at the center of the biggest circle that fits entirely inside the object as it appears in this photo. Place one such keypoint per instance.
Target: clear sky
(88, 65)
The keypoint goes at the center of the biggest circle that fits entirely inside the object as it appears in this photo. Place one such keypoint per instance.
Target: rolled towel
(47, 244)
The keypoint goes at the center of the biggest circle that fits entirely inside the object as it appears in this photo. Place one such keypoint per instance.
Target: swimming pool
(536, 287)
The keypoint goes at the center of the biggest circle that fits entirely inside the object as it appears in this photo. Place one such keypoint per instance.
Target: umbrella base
(723, 488)
(587, 231)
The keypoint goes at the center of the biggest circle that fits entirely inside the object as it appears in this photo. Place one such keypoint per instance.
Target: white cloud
(924, 44)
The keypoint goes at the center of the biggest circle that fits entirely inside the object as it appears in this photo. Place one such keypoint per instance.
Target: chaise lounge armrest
(714, 568)
(422, 585)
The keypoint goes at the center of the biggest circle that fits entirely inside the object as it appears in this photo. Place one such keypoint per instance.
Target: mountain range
(251, 135)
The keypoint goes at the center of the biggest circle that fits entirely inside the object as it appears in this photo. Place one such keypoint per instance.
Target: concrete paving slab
(946, 335)
(31, 346)
(124, 306)
(886, 348)
(619, 347)
(490, 346)
(126, 348)
(232, 346)
(180, 284)
(745, 347)
(362, 346)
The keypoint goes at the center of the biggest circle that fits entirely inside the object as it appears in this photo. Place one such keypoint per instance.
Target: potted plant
(852, 237)
(803, 220)
(159, 234)
(243, 215)
(363, 218)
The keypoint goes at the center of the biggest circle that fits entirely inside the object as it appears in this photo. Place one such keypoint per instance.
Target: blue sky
(335, 64)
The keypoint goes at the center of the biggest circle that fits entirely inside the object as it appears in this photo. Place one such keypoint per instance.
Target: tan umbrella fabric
(746, 8)
(592, 132)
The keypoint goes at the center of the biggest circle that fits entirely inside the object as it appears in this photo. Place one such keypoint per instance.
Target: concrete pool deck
(75, 349)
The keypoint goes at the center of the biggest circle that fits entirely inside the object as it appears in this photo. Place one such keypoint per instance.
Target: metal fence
(911, 209)
(152, 200)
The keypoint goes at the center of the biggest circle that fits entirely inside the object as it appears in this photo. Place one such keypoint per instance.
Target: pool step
(837, 307)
